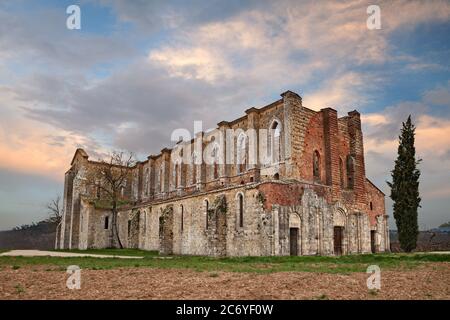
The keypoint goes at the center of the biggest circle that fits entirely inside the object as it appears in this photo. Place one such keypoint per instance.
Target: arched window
(182, 217)
(371, 205)
(241, 153)
(98, 189)
(316, 165)
(350, 171)
(146, 179)
(341, 173)
(206, 212)
(215, 155)
(107, 222)
(161, 180)
(241, 210)
(177, 169)
(275, 141)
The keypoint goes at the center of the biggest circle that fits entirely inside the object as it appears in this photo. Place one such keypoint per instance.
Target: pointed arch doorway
(339, 222)
(294, 234)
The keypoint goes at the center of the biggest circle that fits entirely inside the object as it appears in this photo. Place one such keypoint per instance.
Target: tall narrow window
(275, 143)
(161, 180)
(241, 210)
(206, 212)
(146, 181)
(177, 168)
(182, 217)
(241, 153)
(316, 165)
(350, 171)
(215, 155)
(106, 222)
(341, 173)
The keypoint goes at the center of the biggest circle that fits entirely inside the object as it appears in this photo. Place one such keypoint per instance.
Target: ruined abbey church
(298, 189)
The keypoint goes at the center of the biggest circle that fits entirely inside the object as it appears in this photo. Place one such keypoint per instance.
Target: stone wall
(194, 208)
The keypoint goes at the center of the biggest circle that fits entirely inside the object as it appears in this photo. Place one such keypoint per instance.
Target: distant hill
(39, 235)
(431, 240)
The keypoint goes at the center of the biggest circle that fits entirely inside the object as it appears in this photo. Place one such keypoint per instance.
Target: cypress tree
(405, 188)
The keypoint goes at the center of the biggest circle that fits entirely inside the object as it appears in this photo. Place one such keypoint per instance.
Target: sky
(136, 70)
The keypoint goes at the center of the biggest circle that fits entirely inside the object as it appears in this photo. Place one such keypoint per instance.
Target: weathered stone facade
(311, 198)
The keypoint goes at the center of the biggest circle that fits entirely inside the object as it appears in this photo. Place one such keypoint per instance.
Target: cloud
(29, 146)
(196, 63)
(439, 96)
(166, 64)
(432, 143)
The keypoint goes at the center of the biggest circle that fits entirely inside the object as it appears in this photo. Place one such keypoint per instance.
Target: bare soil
(429, 281)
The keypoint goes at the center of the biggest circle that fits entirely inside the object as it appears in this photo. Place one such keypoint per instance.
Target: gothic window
(182, 217)
(194, 168)
(316, 165)
(98, 189)
(241, 210)
(275, 142)
(161, 180)
(177, 168)
(371, 206)
(350, 171)
(206, 212)
(215, 155)
(146, 179)
(241, 153)
(106, 226)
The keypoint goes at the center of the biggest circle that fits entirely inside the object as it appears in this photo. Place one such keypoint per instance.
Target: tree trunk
(115, 226)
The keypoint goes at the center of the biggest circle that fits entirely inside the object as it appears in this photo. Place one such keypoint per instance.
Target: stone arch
(339, 218)
(275, 141)
(240, 210)
(215, 156)
(166, 230)
(340, 231)
(295, 232)
(294, 220)
(241, 152)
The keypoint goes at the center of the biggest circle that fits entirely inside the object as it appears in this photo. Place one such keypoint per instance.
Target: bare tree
(109, 179)
(55, 210)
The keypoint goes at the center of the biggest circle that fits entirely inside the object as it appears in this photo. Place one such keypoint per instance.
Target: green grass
(343, 264)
